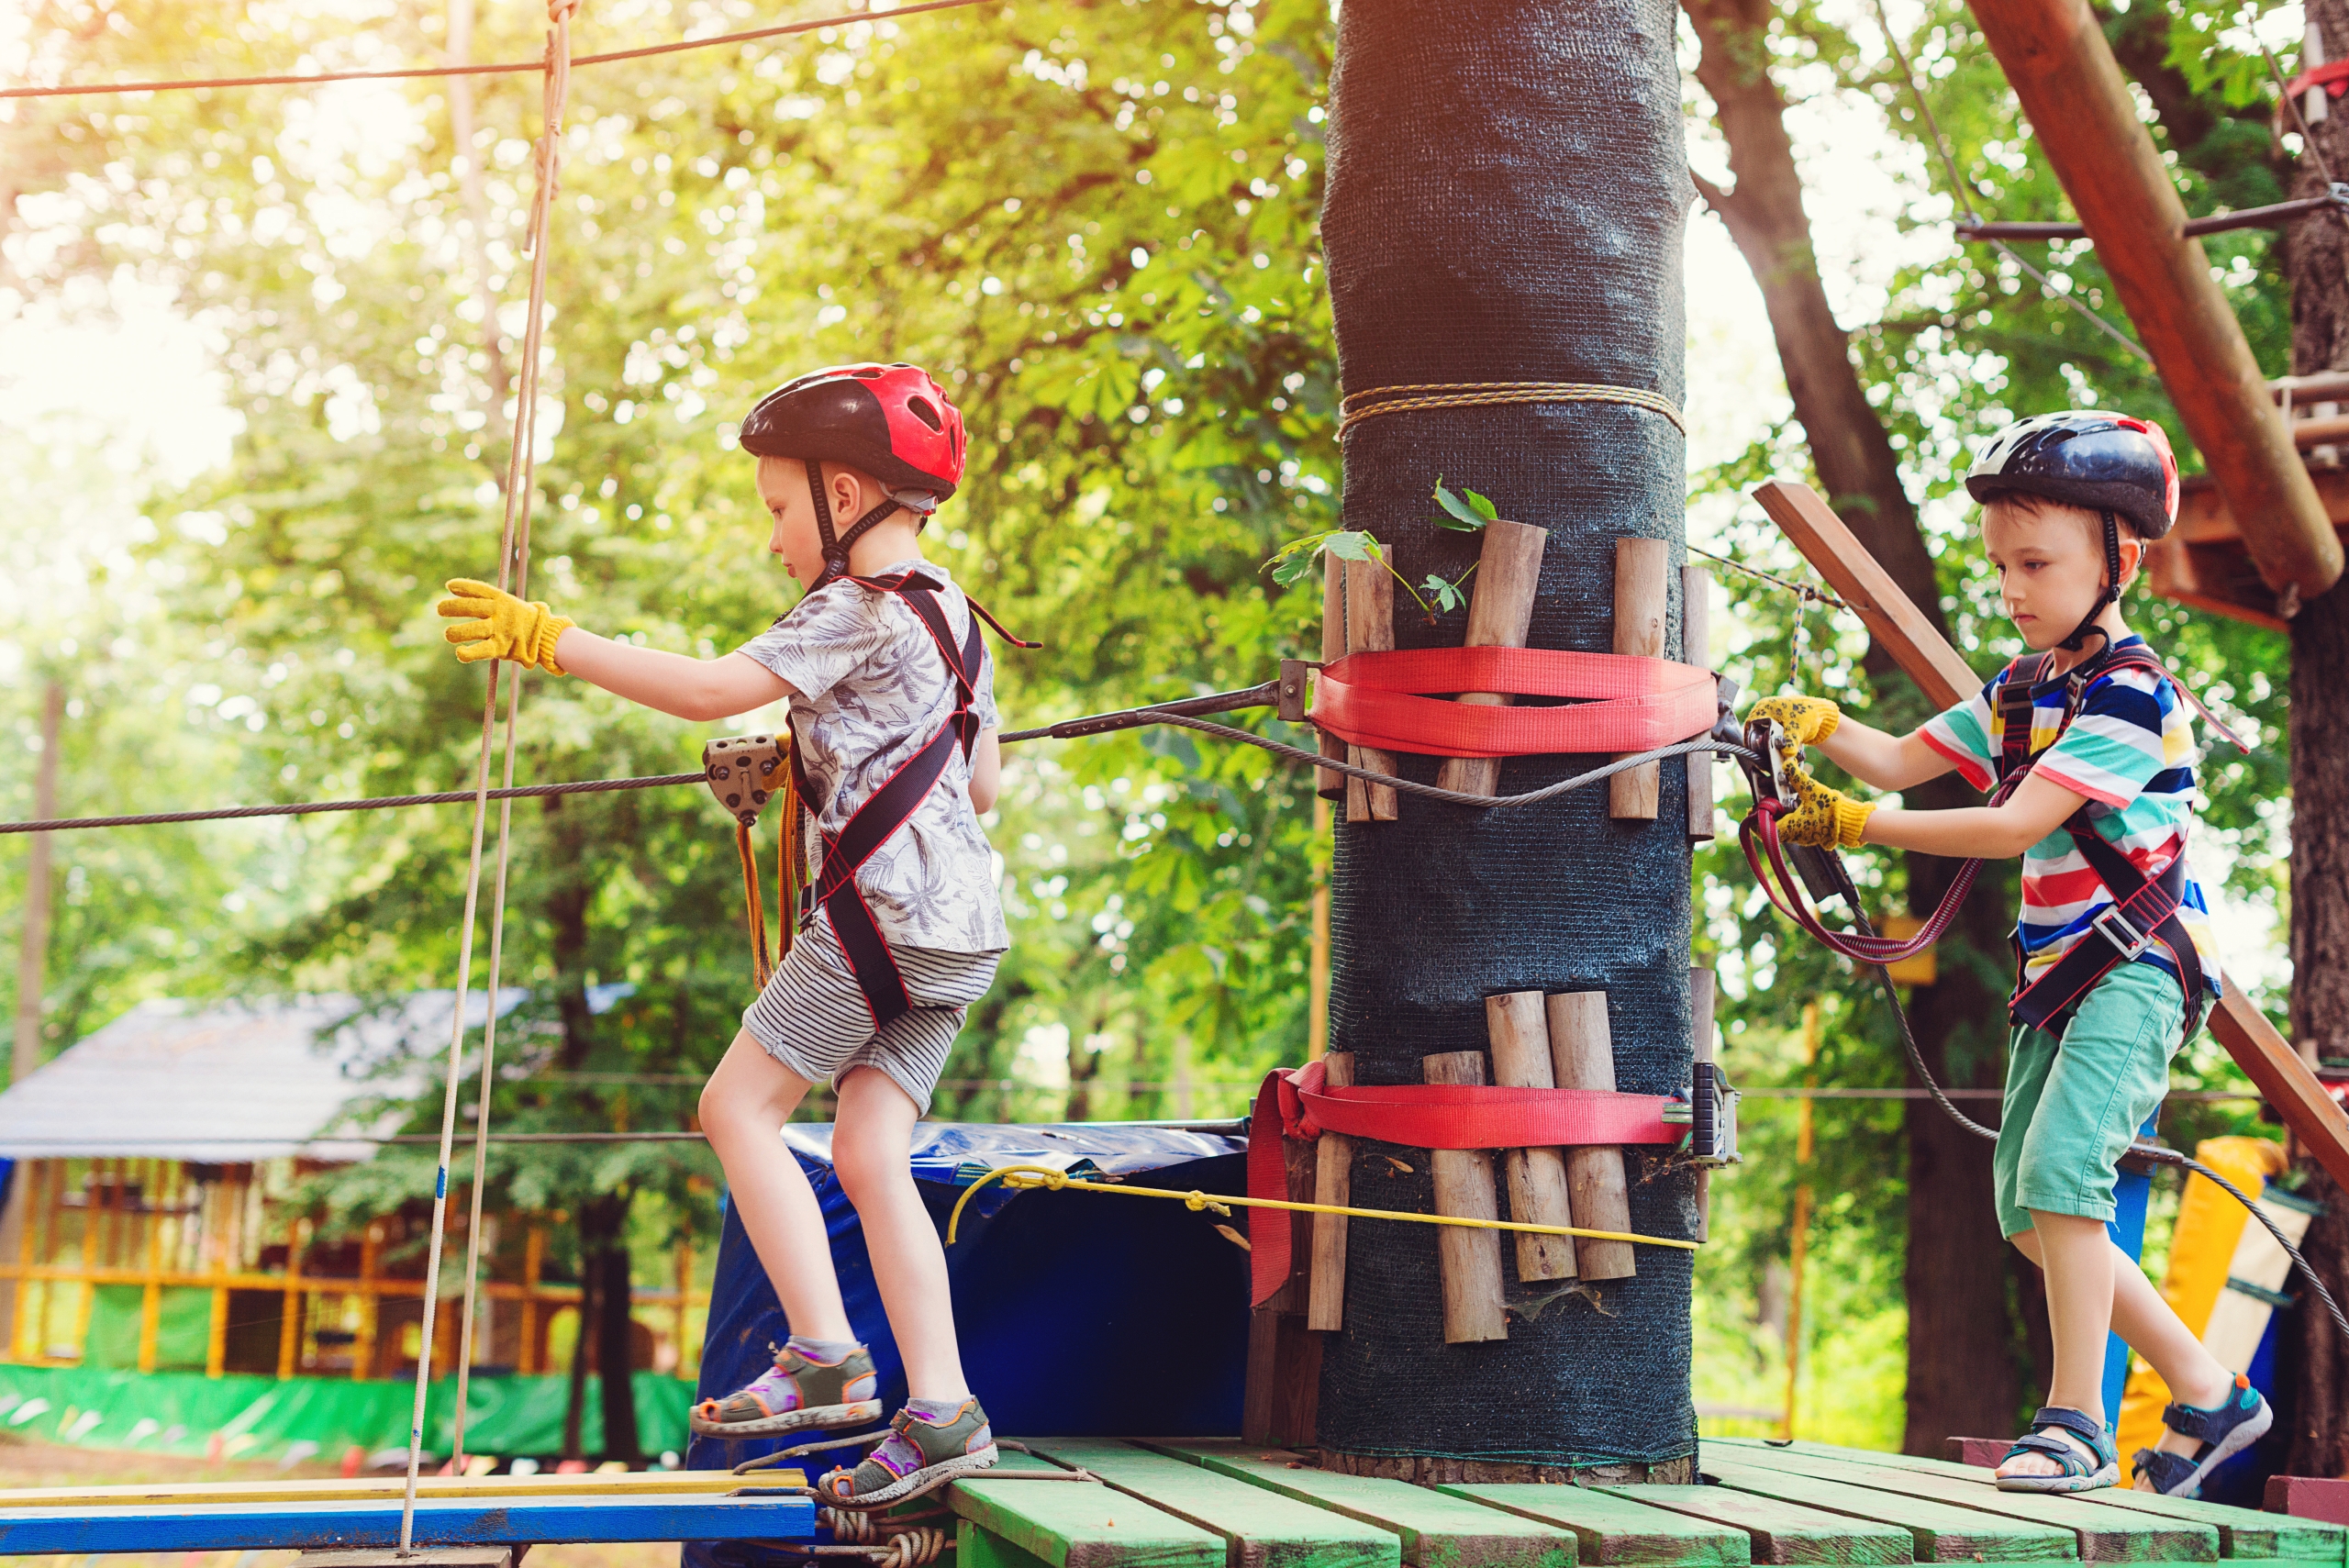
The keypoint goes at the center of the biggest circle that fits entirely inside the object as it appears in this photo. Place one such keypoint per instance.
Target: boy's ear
(2133, 556)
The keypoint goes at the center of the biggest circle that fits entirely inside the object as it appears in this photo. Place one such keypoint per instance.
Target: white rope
(513, 569)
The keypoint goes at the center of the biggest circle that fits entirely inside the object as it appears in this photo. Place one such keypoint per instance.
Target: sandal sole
(814, 1416)
(2096, 1481)
(925, 1479)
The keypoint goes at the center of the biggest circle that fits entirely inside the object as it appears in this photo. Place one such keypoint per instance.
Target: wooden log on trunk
(1327, 784)
(1582, 1055)
(1283, 1380)
(1695, 648)
(1642, 567)
(1518, 1027)
(1473, 1303)
(1333, 1183)
(1700, 1017)
(1500, 613)
(1370, 629)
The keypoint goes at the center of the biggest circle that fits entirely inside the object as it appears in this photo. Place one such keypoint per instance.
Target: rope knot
(561, 12)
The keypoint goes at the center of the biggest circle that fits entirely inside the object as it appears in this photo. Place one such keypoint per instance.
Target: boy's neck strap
(836, 550)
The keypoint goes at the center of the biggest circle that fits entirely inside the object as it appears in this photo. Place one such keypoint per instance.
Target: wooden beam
(2054, 55)
(2204, 563)
(2264, 1054)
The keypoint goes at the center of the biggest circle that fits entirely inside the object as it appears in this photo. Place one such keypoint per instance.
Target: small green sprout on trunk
(1467, 512)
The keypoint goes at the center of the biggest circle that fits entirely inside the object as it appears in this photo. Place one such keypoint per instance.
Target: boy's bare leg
(871, 1149)
(2066, 1247)
(743, 1107)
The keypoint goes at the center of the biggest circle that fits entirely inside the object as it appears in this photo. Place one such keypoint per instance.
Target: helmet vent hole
(925, 411)
(867, 372)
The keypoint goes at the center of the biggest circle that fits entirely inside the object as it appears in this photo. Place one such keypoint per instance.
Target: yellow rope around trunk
(1028, 1177)
(1357, 407)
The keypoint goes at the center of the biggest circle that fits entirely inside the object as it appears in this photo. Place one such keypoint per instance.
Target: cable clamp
(2114, 927)
(1291, 694)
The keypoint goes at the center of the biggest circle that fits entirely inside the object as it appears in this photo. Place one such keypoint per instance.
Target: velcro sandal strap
(2166, 1472)
(2093, 1439)
(2073, 1421)
(2206, 1426)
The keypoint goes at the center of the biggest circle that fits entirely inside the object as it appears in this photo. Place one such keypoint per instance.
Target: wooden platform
(1190, 1504)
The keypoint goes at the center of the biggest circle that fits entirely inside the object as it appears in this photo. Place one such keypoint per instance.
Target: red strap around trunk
(1629, 703)
(1295, 1103)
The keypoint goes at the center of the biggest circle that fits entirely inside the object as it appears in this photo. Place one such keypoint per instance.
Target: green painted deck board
(2242, 1532)
(1262, 1527)
(1074, 1524)
(1438, 1531)
(2104, 1535)
(1783, 1531)
(1944, 1532)
(1613, 1529)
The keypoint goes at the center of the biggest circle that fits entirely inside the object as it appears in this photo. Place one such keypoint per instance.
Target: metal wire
(1803, 589)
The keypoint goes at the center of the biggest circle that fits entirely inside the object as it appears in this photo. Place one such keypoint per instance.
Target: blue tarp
(1078, 1314)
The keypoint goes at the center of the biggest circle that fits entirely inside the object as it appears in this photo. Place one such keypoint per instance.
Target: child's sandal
(796, 1394)
(919, 1455)
(2223, 1430)
(2081, 1446)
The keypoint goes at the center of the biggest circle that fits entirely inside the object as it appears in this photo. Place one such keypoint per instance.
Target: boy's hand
(1806, 720)
(1825, 818)
(502, 626)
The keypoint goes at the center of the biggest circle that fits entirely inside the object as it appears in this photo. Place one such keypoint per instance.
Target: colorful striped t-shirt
(2131, 752)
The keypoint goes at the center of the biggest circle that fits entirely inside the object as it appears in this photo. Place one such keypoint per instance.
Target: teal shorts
(2070, 1114)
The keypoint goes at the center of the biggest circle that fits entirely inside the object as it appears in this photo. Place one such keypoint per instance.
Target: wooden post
(1283, 1381)
(1501, 612)
(1801, 1221)
(1327, 784)
(362, 1344)
(1537, 1177)
(1370, 628)
(1582, 1055)
(150, 1300)
(2266, 1058)
(289, 1328)
(1474, 1304)
(1333, 1178)
(22, 1339)
(534, 1249)
(1700, 1018)
(685, 1300)
(1695, 648)
(1641, 568)
(1317, 983)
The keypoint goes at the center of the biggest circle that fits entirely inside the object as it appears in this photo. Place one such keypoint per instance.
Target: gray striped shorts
(812, 1017)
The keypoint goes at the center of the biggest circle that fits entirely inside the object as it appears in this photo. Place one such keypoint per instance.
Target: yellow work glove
(501, 626)
(1806, 720)
(1825, 818)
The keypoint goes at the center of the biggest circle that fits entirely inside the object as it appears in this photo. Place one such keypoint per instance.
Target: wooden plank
(1582, 1056)
(163, 1495)
(1076, 1525)
(1370, 629)
(2103, 1535)
(2265, 1057)
(1518, 1031)
(1468, 1261)
(253, 1526)
(1327, 784)
(1437, 1530)
(1941, 1532)
(2309, 1498)
(1332, 1184)
(1695, 648)
(1612, 1528)
(1500, 613)
(1642, 567)
(1260, 1528)
(1782, 1531)
(2242, 1532)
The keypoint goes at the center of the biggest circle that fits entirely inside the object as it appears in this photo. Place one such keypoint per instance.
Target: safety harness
(2144, 913)
(888, 809)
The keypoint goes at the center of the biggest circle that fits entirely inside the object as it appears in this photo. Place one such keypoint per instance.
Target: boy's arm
(1883, 760)
(987, 771)
(2037, 808)
(698, 689)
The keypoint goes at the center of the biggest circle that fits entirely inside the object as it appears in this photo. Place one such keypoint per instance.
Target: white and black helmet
(2108, 463)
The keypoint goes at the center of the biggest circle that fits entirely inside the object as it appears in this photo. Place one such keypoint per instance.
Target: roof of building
(232, 1082)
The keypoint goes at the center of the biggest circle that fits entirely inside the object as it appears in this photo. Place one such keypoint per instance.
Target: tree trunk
(575, 1405)
(1963, 1375)
(1507, 193)
(2315, 1370)
(604, 1242)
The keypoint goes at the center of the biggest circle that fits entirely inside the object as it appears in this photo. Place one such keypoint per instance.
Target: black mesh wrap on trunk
(1506, 196)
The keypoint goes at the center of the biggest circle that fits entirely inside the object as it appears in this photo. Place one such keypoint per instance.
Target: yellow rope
(1360, 405)
(1028, 1177)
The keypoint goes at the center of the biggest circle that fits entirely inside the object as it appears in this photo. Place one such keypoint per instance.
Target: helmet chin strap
(2079, 637)
(836, 550)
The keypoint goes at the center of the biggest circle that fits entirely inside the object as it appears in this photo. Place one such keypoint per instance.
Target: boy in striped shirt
(2099, 792)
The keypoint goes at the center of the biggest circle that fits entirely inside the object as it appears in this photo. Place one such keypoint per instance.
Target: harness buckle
(2114, 927)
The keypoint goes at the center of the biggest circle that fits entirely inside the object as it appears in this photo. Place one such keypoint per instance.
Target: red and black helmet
(892, 421)
(2093, 458)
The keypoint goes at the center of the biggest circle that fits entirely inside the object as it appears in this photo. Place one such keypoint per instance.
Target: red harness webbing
(1420, 1116)
(1629, 703)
